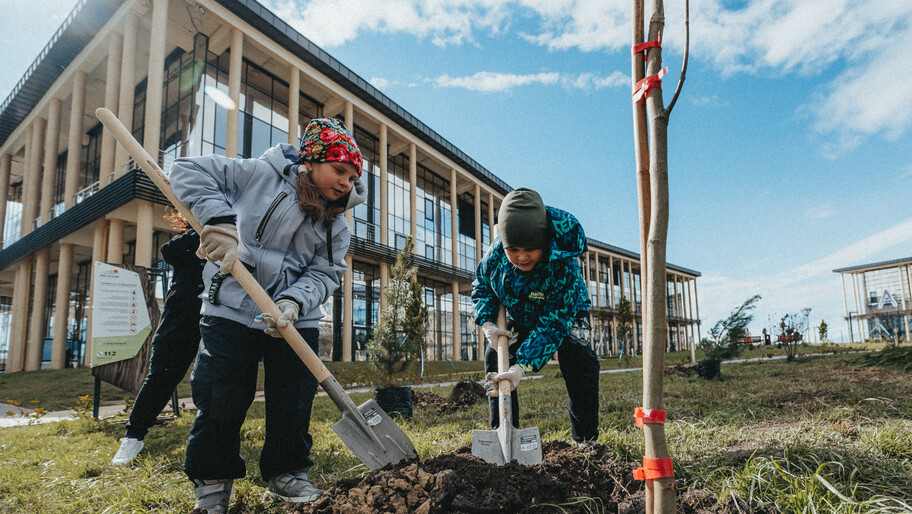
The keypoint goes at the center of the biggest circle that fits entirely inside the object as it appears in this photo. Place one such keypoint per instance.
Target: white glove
(290, 310)
(492, 332)
(513, 375)
(219, 243)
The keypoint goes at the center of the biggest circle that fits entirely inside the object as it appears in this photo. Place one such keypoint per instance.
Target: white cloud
(490, 82)
(379, 82)
(907, 174)
(494, 82)
(858, 43)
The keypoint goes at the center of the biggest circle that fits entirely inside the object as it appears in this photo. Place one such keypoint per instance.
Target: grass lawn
(821, 434)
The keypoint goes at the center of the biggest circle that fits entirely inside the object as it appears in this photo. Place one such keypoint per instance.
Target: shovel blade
(526, 448)
(386, 444)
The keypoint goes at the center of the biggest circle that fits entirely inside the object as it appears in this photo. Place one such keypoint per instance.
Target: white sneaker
(292, 487)
(129, 449)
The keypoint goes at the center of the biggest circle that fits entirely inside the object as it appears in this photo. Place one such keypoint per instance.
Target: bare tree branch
(667, 112)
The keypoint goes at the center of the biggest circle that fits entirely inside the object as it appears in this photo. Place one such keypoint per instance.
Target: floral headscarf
(327, 140)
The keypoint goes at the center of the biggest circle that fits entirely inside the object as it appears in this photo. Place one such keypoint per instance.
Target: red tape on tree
(653, 469)
(642, 87)
(648, 416)
(642, 47)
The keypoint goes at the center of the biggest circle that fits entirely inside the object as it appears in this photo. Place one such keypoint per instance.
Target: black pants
(224, 384)
(174, 347)
(580, 368)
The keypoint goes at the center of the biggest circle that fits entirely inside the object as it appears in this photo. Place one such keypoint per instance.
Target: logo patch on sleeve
(536, 295)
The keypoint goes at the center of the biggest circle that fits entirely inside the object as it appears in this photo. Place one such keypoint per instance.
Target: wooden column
(127, 83)
(294, 106)
(413, 197)
(457, 326)
(348, 309)
(6, 164)
(111, 101)
(62, 306)
(115, 242)
(454, 220)
(384, 209)
(155, 78)
(144, 233)
(348, 284)
(697, 305)
(479, 241)
(98, 255)
(690, 316)
(74, 139)
(491, 217)
(235, 69)
(37, 327)
(31, 180)
(51, 142)
(15, 360)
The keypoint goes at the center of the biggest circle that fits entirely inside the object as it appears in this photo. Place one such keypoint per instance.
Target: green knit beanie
(523, 221)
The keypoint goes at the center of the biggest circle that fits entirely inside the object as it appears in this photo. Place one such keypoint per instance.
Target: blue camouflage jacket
(545, 299)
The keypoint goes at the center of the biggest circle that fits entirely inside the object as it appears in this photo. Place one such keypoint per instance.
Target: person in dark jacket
(532, 269)
(281, 216)
(176, 339)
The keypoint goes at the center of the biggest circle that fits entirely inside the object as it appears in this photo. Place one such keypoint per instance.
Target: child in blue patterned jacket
(532, 269)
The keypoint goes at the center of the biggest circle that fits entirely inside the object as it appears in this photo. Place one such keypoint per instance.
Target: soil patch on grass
(465, 394)
(569, 480)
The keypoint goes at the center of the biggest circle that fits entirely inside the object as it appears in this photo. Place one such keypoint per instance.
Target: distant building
(880, 299)
(164, 67)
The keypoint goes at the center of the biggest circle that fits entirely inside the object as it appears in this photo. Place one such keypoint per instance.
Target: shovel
(367, 430)
(506, 444)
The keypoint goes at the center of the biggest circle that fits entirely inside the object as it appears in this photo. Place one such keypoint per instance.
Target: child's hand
(492, 332)
(513, 375)
(290, 310)
(219, 243)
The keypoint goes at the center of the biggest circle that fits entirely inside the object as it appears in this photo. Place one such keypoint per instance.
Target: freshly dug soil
(569, 480)
(465, 393)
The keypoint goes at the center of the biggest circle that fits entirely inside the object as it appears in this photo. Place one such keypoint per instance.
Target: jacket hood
(281, 155)
(569, 239)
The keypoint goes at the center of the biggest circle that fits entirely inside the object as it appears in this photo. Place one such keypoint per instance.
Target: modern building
(166, 68)
(879, 296)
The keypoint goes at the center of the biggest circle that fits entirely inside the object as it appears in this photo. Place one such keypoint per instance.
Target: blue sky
(788, 148)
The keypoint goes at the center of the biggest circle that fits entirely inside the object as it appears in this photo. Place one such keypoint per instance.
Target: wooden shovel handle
(503, 352)
(240, 273)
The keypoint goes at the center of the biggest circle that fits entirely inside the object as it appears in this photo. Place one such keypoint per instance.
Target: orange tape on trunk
(653, 469)
(648, 416)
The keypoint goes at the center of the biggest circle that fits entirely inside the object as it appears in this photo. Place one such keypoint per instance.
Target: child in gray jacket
(280, 215)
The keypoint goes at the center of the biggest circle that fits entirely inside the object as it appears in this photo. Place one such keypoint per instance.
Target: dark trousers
(170, 361)
(224, 384)
(580, 368)
(174, 347)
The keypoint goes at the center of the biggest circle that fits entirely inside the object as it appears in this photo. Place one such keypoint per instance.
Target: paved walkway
(21, 415)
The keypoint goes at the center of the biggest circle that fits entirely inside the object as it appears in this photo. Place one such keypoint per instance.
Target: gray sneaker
(213, 495)
(292, 487)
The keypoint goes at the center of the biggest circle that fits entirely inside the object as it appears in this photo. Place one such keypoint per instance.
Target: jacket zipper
(265, 220)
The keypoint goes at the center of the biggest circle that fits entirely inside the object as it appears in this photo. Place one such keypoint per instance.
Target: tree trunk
(655, 311)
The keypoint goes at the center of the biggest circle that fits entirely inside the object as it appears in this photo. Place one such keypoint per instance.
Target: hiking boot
(292, 487)
(129, 449)
(213, 495)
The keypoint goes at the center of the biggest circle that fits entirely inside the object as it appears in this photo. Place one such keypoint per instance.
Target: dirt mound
(681, 370)
(568, 480)
(465, 393)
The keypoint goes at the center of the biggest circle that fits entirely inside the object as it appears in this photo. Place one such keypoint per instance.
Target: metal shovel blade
(525, 448)
(507, 444)
(368, 431)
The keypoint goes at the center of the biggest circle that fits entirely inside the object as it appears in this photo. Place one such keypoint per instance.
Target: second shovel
(506, 444)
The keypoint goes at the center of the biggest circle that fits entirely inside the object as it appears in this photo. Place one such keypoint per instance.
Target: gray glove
(219, 243)
(492, 332)
(513, 375)
(290, 310)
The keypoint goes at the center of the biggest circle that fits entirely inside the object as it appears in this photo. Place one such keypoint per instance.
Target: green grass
(822, 434)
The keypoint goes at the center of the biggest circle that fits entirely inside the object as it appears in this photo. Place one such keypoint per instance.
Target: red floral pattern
(327, 140)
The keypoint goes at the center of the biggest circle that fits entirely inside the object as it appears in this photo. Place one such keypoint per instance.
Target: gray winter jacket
(285, 250)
